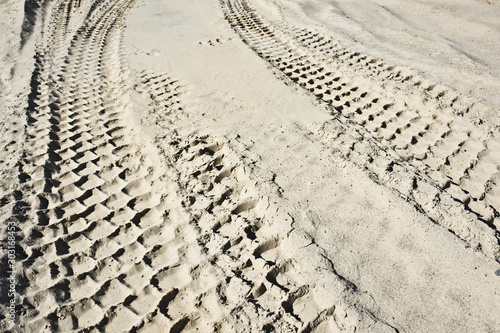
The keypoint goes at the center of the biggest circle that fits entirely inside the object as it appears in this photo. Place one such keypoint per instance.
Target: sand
(250, 166)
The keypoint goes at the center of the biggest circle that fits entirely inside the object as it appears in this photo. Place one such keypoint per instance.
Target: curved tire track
(120, 235)
(425, 132)
(114, 236)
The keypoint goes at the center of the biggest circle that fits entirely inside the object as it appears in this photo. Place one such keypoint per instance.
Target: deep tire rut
(427, 132)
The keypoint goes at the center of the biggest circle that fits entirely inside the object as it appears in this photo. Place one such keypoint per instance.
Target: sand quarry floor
(250, 166)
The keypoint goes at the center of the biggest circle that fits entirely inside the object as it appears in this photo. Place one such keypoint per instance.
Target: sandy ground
(250, 166)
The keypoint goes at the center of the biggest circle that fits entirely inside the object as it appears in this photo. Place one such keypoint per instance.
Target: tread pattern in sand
(425, 131)
(164, 103)
(114, 236)
(93, 203)
(256, 286)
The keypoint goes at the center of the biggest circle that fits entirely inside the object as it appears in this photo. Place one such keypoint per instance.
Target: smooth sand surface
(250, 166)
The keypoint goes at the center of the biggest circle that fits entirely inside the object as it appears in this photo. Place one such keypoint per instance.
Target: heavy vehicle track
(426, 132)
(117, 234)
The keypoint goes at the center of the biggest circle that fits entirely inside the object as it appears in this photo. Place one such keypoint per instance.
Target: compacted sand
(250, 166)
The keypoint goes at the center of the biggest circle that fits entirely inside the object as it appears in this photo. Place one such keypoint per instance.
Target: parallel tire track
(113, 235)
(91, 200)
(100, 246)
(426, 135)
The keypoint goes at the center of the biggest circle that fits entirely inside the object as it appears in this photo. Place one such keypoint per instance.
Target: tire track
(114, 236)
(256, 284)
(118, 234)
(427, 135)
(261, 284)
(322, 47)
(94, 203)
(86, 176)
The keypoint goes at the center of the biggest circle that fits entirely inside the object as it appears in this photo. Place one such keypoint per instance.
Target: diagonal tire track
(422, 132)
(116, 237)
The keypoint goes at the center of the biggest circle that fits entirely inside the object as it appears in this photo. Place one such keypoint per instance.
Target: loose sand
(250, 166)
